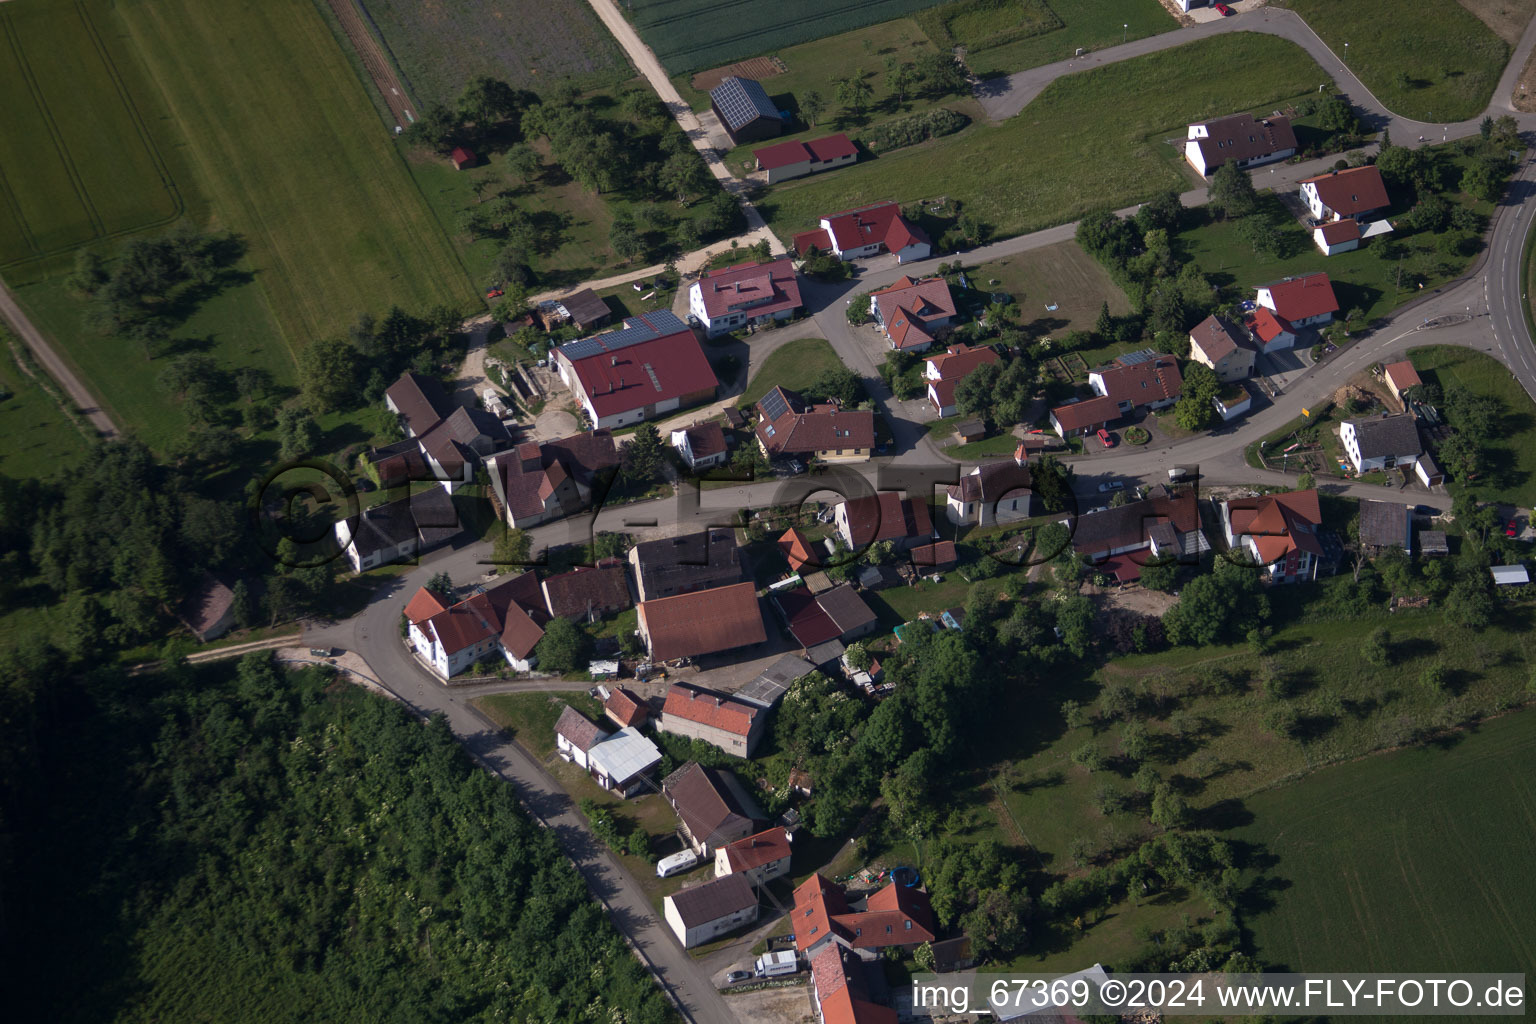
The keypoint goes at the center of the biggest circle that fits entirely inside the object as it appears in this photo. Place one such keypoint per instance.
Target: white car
(1113, 485)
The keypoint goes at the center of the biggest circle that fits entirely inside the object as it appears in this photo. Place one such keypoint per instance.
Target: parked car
(1112, 485)
(1512, 530)
(1224, 10)
(796, 467)
(1425, 510)
(693, 321)
(1105, 439)
(735, 976)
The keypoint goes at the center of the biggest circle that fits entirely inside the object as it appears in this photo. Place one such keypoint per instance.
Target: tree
(328, 369)
(488, 101)
(1074, 714)
(624, 238)
(1088, 756)
(941, 74)
(1336, 115)
(1258, 232)
(563, 648)
(1461, 456)
(854, 93)
(1377, 648)
(1470, 604)
(1104, 326)
(298, 434)
(1400, 166)
(839, 384)
(1169, 809)
(1160, 575)
(900, 78)
(858, 312)
(811, 106)
(643, 455)
(511, 549)
(1195, 411)
(976, 393)
(241, 607)
(1305, 481)
(441, 584)
(1483, 180)
(89, 274)
(684, 175)
(1163, 212)
(522, 162)
(1232, 193)
(1134, 741)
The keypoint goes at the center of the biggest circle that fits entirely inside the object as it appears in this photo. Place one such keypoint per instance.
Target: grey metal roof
(636, 331)
(624, 755)
(1387, 435)
(713, 900)
(741, 101)
(770, 685)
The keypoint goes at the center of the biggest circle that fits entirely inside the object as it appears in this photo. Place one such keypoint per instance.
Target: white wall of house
(758, 875)
(569, 750)
(1309, 195)
(520, 664)
(702, 932)
(942, 410)
(915, 251)
(1349, 437)
(1235, 365)
(1233, 411)
(730, 742)
(1332, 250)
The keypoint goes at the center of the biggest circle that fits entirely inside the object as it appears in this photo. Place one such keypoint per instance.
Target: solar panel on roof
(1132, 358)
(740, 100)
(774, 405)
(636, 331)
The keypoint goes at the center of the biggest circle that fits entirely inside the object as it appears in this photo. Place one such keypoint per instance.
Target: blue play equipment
(896, 874)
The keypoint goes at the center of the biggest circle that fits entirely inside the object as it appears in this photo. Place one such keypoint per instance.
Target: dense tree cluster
(1173, 295)
(267, 845)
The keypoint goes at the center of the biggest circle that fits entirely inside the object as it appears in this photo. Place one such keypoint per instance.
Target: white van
(676, 863)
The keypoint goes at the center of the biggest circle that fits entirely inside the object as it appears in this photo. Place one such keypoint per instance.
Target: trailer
(776, 965)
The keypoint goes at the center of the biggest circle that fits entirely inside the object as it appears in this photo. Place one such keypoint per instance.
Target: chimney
(1020, 455)
(614, 360)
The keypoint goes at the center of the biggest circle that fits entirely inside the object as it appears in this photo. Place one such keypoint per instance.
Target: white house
(1381, 442)
(856, 234)
(1336, 236)
(501, 622)
(1139, 379)
(701, 445)
(997, 493)
(761, 857)
(702, 912)
(1357, 194)
(622, 763)
(750, 293)
(1239, 139)
(576, 735)
(1300, 301)
(1278, 532)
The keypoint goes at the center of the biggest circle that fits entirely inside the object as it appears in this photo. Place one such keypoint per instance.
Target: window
(909, 926)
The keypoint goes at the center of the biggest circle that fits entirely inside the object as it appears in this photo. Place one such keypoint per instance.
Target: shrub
(909, 131)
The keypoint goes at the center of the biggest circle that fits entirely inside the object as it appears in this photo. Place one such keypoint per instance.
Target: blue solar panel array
(773, 404)
(1141, 356)
(742, 100)
(636, 330)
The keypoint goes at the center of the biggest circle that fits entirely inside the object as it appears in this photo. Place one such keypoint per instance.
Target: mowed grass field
(1059, 275)
(795, 365)
(1419, 860)
(1512, 453)
(1090, 24)
(690, 35)
(290, 154)
(1029, 172)
(441, 47)
(78, 159)
(1427, 61)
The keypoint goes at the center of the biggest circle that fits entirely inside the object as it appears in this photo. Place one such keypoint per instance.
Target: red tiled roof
(823, 150)
(1339, 231)
(625, 707)
(883, 224)
(832, 147)
(500, 611)
(886, 516)
(706, 707)
(954, 366)
(705, 439)
(1266, 325)
(762, 288)
(807, 429)
(1402, 375)
(1352, 191)
(670, 366)
(755, 851)
(1302, 297)
(1150, 380)
(796, 549)
(530, 473)
(1278, 523)
(816, 899)
(460, 155)
(808, 621)
(422, 607)
(922, 301)
(907, 330)
(938, 555)
(1078, 415)
(703, 622)
(818, 239)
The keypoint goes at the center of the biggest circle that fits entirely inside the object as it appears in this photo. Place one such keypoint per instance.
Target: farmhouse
(650, 366)
(785, 160)
(584, 309)
(1269, 332)
(1278, 531)
(1240, 139)
(1381, 442)
(807, 621)
(575, 734)
(883, 516)
(732, 725)
(398, 529)
(745, 111)
(711, 806)
(678, 565)
(587, 592)
(1218, 343)
(700, 913)
(1356, 194)
(897, 916)
(912, 311)
(855, 234)
(1400, 377)
(761, 857)
(1000, 492)
(1139, 380)
(534, 483)
(788, 426)
(1164, 527)
(842, 991)
(451, 441)
(624, 708)
(502, 621)
(1385, 524)
(749, 293)
(848, 612)
(623, 763)
(945, 372)
(1300, 301)
(1082, 416)
(701, 622)
(419, 401)
(701, 444)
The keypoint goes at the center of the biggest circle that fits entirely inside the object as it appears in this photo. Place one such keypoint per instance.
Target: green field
(1413, 861)
(1427, 61)
(1512, 455)
(1089, 24)
(78, 159)
(688, 35)
(1059, 275)
(441, 47)
(1027, 173)
(39, 440)
(290, 154)
(795, 365)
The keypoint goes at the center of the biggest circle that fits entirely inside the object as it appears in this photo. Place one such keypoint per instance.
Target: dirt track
(372, 56)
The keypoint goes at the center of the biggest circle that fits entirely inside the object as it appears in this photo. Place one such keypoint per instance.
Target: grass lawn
(999, 444)
(290, 154)
(530, 717)
(39, 439)
(1012, 175)
(688, 35)
(793, 365)
(1429, 849)
(441, 47)
(1059, 275)
(1512, 456)
(85, 155)
(1086, 23)
(1429, 62)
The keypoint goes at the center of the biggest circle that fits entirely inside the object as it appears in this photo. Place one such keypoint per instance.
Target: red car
(1105, 439)
(1511, 530)
(494, 293)
(1224, 10)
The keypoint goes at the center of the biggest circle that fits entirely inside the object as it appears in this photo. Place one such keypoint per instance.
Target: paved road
(30, 336)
